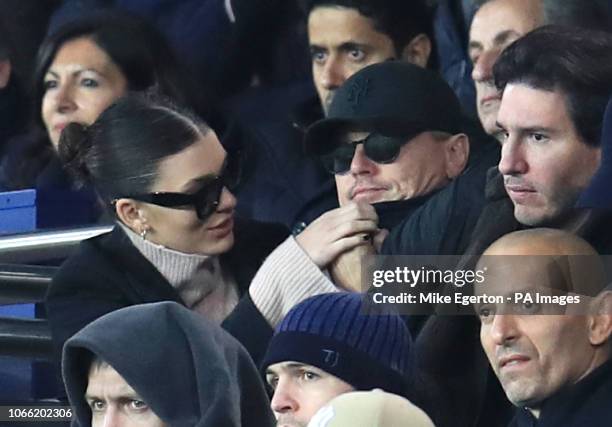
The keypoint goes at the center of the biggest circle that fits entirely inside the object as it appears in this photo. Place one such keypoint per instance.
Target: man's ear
(417, 51)
(5, 73)
(457, 151)
(600, 319)
(130, 213)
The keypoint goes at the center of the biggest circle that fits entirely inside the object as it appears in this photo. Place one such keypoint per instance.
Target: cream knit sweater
(199, 279)
(287, 277)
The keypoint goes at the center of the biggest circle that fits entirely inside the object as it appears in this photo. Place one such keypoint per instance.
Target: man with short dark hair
(496, 25)
(555, 82)
(347, 35)
(552, 358)
(550, 120)
(332, 344)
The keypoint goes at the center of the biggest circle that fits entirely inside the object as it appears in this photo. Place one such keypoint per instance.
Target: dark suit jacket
(108, 273)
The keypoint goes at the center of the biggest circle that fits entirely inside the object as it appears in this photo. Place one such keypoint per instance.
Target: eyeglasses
(377, 147)
(206, 199)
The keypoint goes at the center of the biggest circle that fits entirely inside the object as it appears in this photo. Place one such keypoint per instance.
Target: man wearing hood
(161, 365)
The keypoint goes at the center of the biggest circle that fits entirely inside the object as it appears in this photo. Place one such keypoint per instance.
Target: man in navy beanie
(331, 344)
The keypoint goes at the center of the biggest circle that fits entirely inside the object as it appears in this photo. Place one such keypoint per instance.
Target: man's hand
(346, 268)
(379, 239)
(338, 231)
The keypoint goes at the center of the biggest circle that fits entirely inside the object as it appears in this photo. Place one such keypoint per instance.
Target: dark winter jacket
(108, 273)
(444, 222)
(586, 403)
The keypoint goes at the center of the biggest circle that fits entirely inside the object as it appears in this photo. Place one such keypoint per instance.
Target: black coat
(108, 273)
(586, 403)
(442, 223)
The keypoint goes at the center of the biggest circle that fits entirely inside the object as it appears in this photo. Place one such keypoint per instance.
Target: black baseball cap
(392, 98)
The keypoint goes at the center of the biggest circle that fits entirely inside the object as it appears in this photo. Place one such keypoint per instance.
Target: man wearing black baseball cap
(404, 160)
(395, 133)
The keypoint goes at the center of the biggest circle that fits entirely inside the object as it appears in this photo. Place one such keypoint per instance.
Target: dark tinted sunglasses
(206, 199)
(377, 147)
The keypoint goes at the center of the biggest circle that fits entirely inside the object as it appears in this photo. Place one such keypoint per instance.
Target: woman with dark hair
(81, 69)
(164, 175)
(119, 52)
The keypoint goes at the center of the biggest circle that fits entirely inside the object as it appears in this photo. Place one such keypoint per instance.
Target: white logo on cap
(331, 357)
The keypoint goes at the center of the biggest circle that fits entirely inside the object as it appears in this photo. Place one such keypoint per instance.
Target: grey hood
(189, 371)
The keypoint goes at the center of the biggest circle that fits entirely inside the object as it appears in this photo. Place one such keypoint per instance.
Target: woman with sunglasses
(165, 177)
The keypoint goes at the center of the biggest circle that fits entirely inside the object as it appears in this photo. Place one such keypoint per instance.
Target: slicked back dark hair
(121, 151)
(576, 62)
(401, 20)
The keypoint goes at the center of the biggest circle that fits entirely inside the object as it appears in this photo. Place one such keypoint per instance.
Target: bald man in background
(552, 359)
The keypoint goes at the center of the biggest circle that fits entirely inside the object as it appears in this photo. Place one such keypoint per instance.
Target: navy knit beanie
(335, 333)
